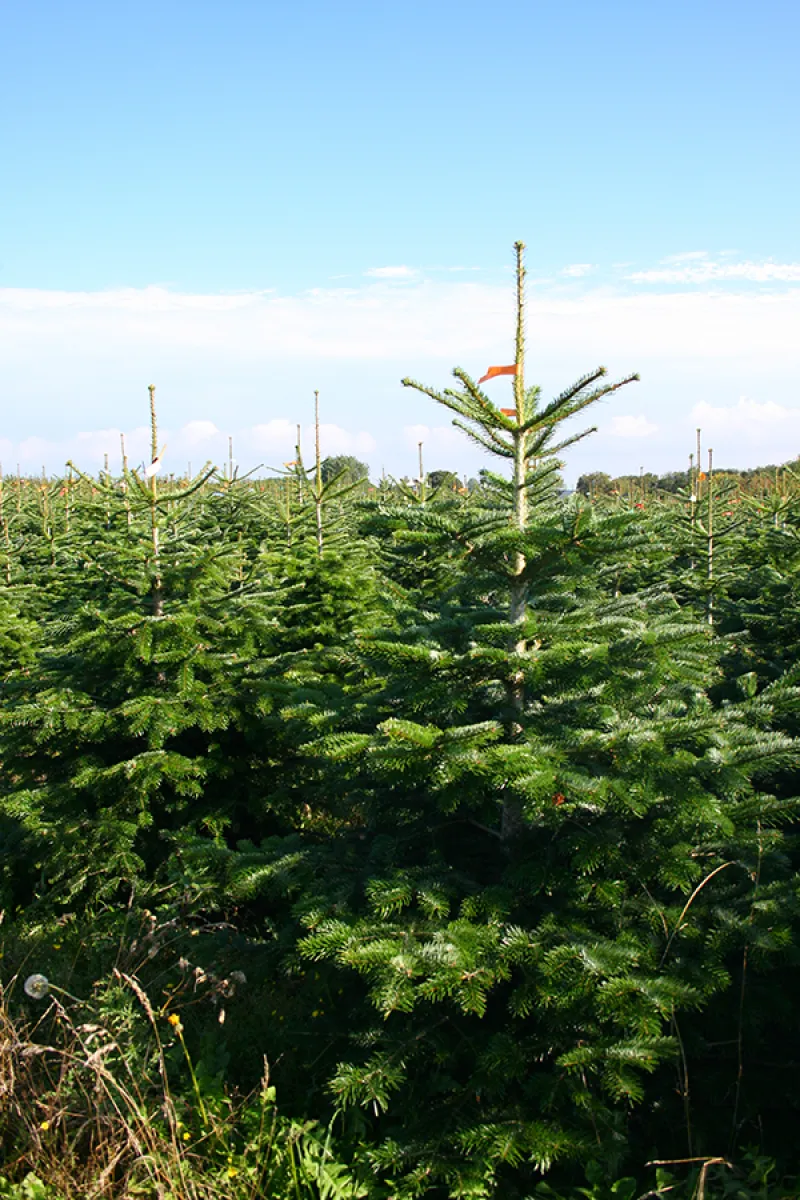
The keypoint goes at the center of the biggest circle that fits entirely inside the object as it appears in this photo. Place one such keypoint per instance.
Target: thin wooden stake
(317, 476)
(710, 535)
(4, 523)
(67, 500)
(128, 514)
(511, 819)
(157, 589)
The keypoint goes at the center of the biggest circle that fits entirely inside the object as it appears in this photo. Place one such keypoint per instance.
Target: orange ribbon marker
(490, 374)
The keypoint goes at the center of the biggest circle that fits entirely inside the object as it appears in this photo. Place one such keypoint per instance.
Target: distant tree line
(599, 483)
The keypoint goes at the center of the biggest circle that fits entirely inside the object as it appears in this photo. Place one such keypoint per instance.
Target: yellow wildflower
(45, 1125)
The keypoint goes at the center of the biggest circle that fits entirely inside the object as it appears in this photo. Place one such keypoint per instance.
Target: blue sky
(244, 202)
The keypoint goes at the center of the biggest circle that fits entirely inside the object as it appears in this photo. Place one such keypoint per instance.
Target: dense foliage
(471, 810)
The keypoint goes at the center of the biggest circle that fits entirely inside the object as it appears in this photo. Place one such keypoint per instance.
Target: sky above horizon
(245, 203)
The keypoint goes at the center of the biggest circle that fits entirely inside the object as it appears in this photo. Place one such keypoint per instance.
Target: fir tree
(534, 820)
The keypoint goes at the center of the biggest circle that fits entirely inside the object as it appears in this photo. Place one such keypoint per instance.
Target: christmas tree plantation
(473, 810)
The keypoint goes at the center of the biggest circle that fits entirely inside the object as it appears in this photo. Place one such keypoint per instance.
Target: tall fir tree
(538, 828)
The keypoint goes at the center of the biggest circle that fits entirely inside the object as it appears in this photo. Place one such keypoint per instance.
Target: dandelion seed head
(36, 986)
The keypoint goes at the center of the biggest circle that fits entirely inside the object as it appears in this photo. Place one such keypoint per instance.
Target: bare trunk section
(4, 521)
(512, 820)
(128, 514)
(67, 499)
(157, 591)
(710, 536)
(317, 476)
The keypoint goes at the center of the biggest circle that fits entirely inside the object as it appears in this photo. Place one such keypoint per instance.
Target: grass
(95, 1102)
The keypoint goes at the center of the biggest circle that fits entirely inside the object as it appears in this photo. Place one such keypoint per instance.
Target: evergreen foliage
(488, 792)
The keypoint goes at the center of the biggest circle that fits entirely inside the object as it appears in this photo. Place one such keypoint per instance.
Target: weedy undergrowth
(93, 1104)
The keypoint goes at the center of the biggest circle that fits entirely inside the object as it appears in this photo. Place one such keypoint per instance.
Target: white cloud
(773, 429)
(335, 440)
(436, 439)
(199, 431)
(86, 449)
(277, 437)
(369, 322)
(147, 300)
(196, 442)
(709, 272)
(632, 427)
(457, 322)
(248, 364)
(391, 272)
(578, 270)
(686, 256)
(276, 440)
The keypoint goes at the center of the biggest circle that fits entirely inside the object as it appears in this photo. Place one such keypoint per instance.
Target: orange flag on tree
(490, 374)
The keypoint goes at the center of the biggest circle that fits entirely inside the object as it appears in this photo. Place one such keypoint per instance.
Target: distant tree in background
(596, 481)
(331, 467)
(673, 481)
(437, 478)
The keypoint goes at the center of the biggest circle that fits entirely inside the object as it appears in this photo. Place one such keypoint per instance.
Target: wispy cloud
(773, 428)
(685, 256)
(279, 436)
(196, 442)
(248, 364)
(436, 439)
(65, 333)
(197, 432)
(453, 268)
(712, 272)
(370, 321)
(391, 272)
(631, 426)
(578, 270)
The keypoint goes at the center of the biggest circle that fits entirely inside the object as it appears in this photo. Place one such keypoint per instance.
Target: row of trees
(485, 797)
(756, 481)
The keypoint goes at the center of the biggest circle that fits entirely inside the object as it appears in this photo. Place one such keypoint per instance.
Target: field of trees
(401, 839)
